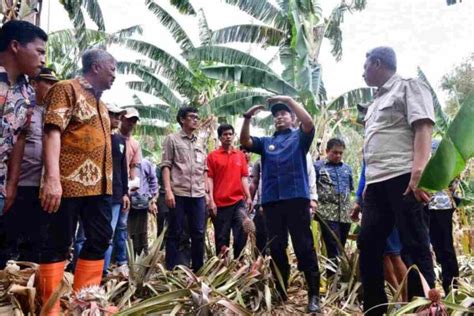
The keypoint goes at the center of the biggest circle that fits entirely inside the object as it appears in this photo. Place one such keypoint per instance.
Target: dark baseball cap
(280, 107)
(46, 74)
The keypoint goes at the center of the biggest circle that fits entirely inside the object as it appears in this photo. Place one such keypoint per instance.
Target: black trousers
(23, 227)
(186, 221)
(138, 230)
(341, 230)
(229, 218)
(96, 215)
(261, 234)
(384, 206)
(163, 212)
(441, 235)
(290, 216)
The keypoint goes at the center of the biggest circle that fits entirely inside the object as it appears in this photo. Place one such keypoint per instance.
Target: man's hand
(11, 195)
(249, 204)
(152, 208)
(313, 207)
(355, 211)
(169, 199)
(51, 194)
(420, 195)
(213, 208)
(280, 99)
(125, 204)
(253, 110)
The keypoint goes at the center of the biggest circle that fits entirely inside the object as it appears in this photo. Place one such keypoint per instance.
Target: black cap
(280, 107)
(46, 74)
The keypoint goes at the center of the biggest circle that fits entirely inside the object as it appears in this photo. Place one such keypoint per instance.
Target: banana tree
(28, 10)
(64, 51)
(454, 151)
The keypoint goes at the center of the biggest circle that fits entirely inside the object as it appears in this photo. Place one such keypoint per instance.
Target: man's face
(30, 57)
(283, 120)
(41, 89)
(334, 154)
(115, 119)
(227, 137)
(370, 72)
(191, 121)
(128, 124)
(106, 74)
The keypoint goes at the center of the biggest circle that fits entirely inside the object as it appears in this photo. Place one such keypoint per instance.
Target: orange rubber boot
(50, 276)
(88, 272)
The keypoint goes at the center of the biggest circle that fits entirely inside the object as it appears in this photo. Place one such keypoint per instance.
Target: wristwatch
(247, 116)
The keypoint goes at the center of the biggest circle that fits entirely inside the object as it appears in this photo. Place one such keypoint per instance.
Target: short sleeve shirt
(134, 152)
(186, 158)
(284, 166)
(32, 162)
(15, 113)
(86, 154)
(227, 169)
(389, 134)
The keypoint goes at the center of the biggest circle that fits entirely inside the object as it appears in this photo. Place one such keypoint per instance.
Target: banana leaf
(454, 151)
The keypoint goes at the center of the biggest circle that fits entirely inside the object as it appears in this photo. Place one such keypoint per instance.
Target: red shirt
(227, 170)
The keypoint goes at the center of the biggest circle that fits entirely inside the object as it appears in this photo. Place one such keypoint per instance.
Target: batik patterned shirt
(15, 113)
(85, 161)
(335, 184)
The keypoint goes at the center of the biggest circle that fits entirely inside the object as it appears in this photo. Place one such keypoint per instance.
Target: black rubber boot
(312, 279)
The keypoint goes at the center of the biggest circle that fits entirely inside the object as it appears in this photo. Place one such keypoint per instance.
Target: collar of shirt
(285, 131)
(184, 135)
(87, 85)
(231, 151)
(388, 85)
(327, 162)
(4, 77)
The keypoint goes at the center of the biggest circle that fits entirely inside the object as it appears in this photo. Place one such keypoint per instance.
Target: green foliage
(75, 9)
(455, 149)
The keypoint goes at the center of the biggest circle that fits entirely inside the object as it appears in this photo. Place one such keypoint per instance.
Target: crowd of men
(71, 167)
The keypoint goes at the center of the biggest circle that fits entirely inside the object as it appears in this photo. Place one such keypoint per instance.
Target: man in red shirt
(229, 191)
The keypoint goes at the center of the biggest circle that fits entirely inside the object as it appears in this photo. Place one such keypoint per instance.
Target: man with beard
(77, 180)
(285, 189)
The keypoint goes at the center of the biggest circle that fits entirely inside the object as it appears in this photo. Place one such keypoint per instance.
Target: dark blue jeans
(194, 211)
(95, 213)
(386, 206)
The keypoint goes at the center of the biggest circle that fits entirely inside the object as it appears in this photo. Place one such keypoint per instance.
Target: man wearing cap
(120, 199)
(25, 236)
(134, 152)
(77, 180)
(285, 189)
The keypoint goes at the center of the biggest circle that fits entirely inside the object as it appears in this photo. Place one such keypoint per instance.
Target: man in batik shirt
(77, 182)
(334, 179)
